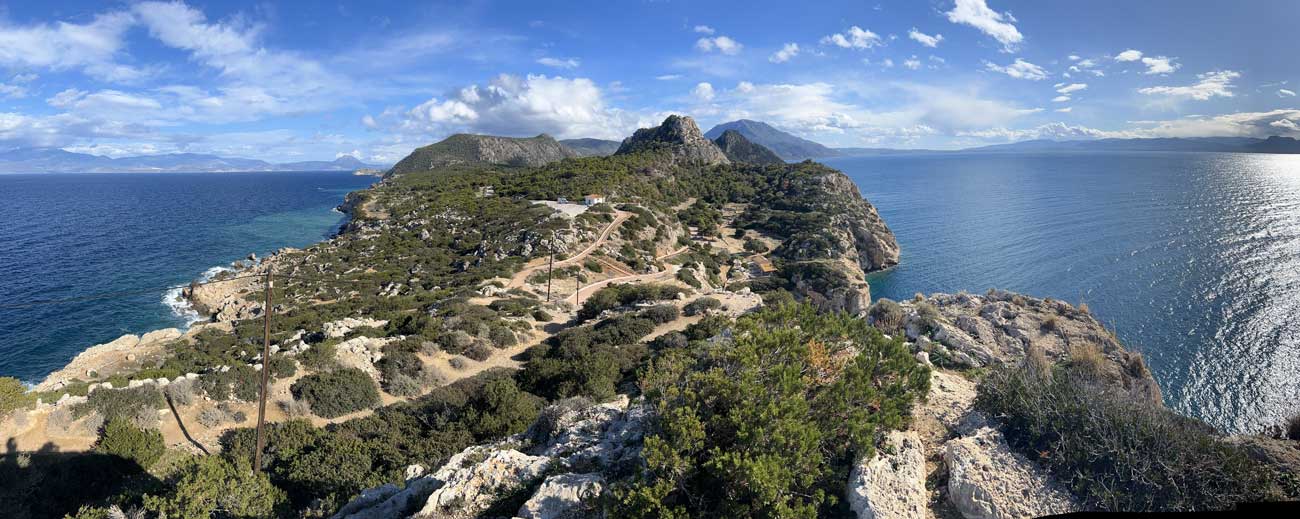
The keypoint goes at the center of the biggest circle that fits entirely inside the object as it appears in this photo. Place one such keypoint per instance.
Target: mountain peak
(787, 146)
(469, 148)
(739, 149)
(680, 136)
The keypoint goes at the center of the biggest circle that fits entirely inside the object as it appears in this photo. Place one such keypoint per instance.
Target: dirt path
(520, 278)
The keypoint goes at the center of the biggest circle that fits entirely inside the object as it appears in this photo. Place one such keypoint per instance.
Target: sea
(1193, 258)
(85, 236)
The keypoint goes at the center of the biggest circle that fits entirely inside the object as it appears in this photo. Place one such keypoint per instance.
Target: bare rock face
(890, 485)
(566, 496)
(873, 245)
(987, 480)
(679, 138)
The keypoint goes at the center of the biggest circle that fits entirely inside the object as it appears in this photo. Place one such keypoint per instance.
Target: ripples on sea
(1194, 258)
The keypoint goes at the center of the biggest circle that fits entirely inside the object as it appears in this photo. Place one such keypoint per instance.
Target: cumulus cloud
(1159, 65)
(514, 105)
(1210, 84)
(1129, 55)
(912, 63)
(1240, 124)
(703, 92)
(721, 44)
(1282, 92)
(1020, 69)
(977, 14)
(925, 39)
(854, 38)
(566, 63)
(787, 51)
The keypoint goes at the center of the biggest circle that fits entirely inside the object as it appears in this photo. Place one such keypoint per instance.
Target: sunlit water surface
(1193, 257)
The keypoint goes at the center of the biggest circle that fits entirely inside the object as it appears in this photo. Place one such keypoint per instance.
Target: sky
(287, 81)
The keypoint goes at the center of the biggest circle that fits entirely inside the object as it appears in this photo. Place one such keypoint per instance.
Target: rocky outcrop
(100, 359)
(678, 139)
(890, 485)
(870, 242)
(987, 480)
(966, 330)
(465, 148)
(739, 149)
(560, 463)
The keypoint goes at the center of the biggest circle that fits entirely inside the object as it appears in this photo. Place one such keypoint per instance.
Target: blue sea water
(77, 235)
(1194, 258)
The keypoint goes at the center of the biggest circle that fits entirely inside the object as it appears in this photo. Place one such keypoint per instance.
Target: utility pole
(266, 361)
(550, 267)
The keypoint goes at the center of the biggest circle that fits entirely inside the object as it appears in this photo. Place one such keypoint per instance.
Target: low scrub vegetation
(336, 393)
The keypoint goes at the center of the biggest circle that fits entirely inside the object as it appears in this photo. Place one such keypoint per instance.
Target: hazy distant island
(682, 327)
(54, 160)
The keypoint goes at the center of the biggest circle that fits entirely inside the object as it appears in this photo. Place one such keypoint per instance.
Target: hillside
(467, 149)
(679, 140)
(789, 147)
(54, 160)
(591, 147)
(739, 149)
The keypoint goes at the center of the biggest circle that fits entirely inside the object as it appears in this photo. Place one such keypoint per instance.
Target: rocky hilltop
(680, 138)
(464, 148)
(739, 149)
(785, 145)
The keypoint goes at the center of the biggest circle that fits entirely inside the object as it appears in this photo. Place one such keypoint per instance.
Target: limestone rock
(987, 480)
(892, 483)
(679, 138)
(470, 487)
(564, 496)
(341, 327)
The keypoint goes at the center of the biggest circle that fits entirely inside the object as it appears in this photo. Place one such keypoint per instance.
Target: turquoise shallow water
(1193, 257)
(75, 235)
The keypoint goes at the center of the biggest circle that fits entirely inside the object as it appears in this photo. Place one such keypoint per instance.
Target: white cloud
(976, 13)
(1240, 124)
(787, 51)
(1129, 55)
(92, 48)
(513, 105)
(721, 44)
(1052, 131)
(12, 91)
(704, 29)
(668, 77)
(1073, 57)
(703, 92)
(1072, 87)
(1060, 99)
(925, 39)
(1020, 69)
(566, 63)
(1065, 110)
(1282, 92)
(854, 38)
(1211, 84)
(887, 63)
(356, 154)
(1285, 124)
(1159, 65)
(912, 63)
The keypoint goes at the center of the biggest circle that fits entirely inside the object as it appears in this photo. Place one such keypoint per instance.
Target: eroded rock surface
(987, 480)
(891, 484)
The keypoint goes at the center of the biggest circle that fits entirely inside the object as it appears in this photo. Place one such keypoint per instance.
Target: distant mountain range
(54, 160)
(591, 147)
(1272, 144)
(785, 145)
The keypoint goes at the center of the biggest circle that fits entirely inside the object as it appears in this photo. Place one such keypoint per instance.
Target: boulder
(470, 487)
(563, 496)
(890, 484)
(987, 480)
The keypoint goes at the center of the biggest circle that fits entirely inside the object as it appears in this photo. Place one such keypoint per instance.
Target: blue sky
(286, 81)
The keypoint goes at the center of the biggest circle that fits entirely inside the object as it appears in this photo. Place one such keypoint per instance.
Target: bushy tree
(336, 393)
(211, 486)
(13, 395)
(122, 438)
(768, 425)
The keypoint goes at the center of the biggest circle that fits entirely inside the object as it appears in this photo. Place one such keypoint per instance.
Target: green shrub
(138, 404)
(210, 486)
(660, 314)
(755, 246)
(1119, 452)
(702, 305)
(336, 393)
(614, 296)
(502, 337)
(281, 366)
(769, 425)
(319, 357)
(887, 315)
(13, 395)
(122, 438)
(541, 315)
(593, 265)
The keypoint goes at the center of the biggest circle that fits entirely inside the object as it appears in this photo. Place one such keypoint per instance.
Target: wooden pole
(550, 268)
(266, 361)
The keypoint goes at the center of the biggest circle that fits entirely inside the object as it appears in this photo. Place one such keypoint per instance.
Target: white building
(593, 199)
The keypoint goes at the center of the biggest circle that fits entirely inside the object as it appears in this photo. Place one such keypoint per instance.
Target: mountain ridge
(786, 145)
(57, 160)
(739, 149)
(467, 148)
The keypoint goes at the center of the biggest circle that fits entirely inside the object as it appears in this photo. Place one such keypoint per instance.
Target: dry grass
(1086, 358)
